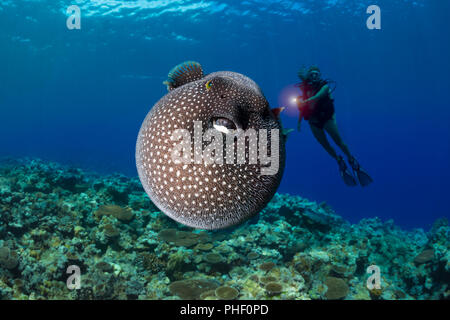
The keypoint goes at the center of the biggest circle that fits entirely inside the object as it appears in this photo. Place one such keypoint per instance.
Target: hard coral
(179, 238)
(273, 288)
(104, 266)
(339, 270)
(337, 288)
(226, 293)
(152, 262)
(265, 280)
(267, 266)
(191, 289)
(168, 235)
(213, 258)
(424, 257)
(252, 255)
(8, 259)
(207, 294)
(204, 246)
(254, 277)
(375, 294)
(122, 214)
(111, 231)
(4, 253)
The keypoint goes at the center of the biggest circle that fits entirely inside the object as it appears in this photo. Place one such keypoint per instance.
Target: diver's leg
(332, 129)
(363, 176)
(320, 136)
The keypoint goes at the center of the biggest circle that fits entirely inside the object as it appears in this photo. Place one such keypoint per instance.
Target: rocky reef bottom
(53, 217)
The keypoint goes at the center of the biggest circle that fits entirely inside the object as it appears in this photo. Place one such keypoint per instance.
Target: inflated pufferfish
(210, 195)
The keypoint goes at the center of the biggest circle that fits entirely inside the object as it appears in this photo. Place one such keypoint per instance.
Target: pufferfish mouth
(224, 125)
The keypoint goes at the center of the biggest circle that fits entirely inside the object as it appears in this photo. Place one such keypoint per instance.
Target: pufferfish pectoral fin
(286, 132)
(183, 73)
(277, 111)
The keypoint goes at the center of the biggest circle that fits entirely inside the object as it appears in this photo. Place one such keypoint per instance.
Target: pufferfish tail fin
(183, 73)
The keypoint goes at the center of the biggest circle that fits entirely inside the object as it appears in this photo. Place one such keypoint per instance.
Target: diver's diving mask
(314, 76)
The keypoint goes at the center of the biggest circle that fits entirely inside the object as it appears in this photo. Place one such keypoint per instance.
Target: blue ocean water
(79, 96)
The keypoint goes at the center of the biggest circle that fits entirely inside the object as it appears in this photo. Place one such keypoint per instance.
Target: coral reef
(226, 293)
(53, 216)
(336, 288)
(273, 288)
(122, 214)
(8, 258)
(191, 289)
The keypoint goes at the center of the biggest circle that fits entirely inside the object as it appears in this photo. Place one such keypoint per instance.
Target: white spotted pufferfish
(199, 195)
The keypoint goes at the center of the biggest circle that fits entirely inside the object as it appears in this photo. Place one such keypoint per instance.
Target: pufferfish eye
(224, 125)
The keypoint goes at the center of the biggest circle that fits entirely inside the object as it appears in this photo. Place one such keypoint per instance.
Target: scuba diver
(317, 106)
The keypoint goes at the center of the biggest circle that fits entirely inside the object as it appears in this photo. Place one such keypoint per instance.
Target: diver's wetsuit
(324, 109)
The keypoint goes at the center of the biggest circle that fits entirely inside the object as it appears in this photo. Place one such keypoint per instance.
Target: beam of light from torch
(288, 98)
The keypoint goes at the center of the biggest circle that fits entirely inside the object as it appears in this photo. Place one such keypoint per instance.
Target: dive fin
(183, 73)
(363, 177)
(348, 178)
(346, 175)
